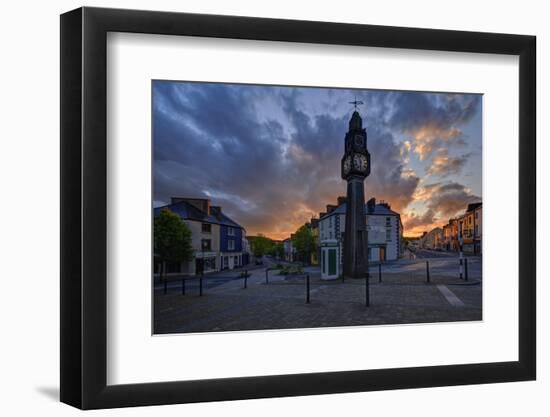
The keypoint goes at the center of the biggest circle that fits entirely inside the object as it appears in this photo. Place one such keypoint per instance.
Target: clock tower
(355, 168)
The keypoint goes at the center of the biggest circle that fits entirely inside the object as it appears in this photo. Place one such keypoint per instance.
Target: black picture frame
(84, 207)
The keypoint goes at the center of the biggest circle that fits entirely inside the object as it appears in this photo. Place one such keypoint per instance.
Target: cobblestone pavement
(280, 304)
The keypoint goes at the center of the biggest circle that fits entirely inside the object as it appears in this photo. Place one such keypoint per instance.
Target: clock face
(347, 165)
(360, 163)
(358, 140)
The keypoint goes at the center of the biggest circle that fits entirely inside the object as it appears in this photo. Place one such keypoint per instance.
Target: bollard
(266, 275)
(465, 269)
(245, 279)
(428, 272)
(460, 267)
(379, 272)
(367, 290)
(182, 286)
(165, 287)
(307, 289)
(200, 285)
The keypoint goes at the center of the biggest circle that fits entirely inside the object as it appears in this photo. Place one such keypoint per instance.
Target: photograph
(292, 207)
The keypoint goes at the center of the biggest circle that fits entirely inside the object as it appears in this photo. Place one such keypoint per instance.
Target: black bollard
(200, 285)
(428, 272)
(367, 290)
(183, 286)
(379, 272)
(266, 275)
(165, 287)
(307, 288)
(460, 268)
(465, 269)
(245, 279)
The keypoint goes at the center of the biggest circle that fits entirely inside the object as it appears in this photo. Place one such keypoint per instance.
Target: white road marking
(450, 297)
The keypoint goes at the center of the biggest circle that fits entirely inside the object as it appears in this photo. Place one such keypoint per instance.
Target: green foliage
(172, 238)
(291, 270)
(277, 250)
(304, 242)
(261, 245)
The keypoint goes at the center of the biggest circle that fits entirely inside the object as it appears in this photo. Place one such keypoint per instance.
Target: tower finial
(356, 103)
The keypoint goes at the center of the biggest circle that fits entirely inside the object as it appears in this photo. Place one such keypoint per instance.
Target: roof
(380, 209)
(189, 212)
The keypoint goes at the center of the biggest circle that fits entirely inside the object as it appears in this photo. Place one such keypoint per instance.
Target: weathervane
(356, 103)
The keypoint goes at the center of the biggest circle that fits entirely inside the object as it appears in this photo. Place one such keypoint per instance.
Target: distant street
(427, 253)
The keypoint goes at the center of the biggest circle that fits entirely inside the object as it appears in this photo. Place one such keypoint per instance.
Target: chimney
(202, 204)
(330, 208)
(341, 200)
(321, 214)
(371, 204)
(215, 210)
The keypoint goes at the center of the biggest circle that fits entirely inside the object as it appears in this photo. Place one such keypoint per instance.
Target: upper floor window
(231, 245)
(206, 244)
(230, 231)
(206, 228)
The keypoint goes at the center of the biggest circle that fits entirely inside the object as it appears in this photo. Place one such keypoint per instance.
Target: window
(209, 264)
(388, 235)
(206, 245)
(206, 228)
(230, 231)
(231, 244)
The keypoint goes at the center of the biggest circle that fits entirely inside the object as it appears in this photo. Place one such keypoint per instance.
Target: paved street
(402, 296)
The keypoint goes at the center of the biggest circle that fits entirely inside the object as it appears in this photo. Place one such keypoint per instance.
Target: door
(382, 254)
(332, 261)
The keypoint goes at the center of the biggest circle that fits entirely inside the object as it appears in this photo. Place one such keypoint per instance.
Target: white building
(385, 235)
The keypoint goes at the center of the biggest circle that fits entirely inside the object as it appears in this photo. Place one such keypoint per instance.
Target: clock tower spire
(355, 168)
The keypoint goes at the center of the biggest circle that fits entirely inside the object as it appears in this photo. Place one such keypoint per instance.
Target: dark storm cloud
(268, 159)
(448, 199)
(433, 121)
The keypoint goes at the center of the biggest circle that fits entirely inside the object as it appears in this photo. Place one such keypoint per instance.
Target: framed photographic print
(258, 207)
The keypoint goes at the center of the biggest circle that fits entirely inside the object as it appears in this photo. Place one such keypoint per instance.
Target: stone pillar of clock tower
(355, 168)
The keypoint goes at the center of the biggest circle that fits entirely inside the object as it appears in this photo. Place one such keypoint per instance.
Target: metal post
(307, 288)
(200, 285)
(183, 286)
(367, 290)
(460, 265)
(165, 287)
(428, 272)
(266, 275)
(245, 279)
(380, 272)
(465, 269)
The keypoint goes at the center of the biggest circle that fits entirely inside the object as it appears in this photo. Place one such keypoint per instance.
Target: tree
(277, 250)
(260, 245)
(172, 239)
(304, 243)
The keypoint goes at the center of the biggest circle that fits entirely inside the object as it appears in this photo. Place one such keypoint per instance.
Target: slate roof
(379, 209)
(189, 212)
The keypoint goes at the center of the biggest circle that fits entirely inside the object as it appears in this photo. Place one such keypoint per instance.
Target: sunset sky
(270, 156)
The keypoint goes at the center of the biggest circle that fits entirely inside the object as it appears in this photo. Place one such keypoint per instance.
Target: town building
(289, 249)
(464, 232)
(218, 241)
(432, 240)
(385, 236)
